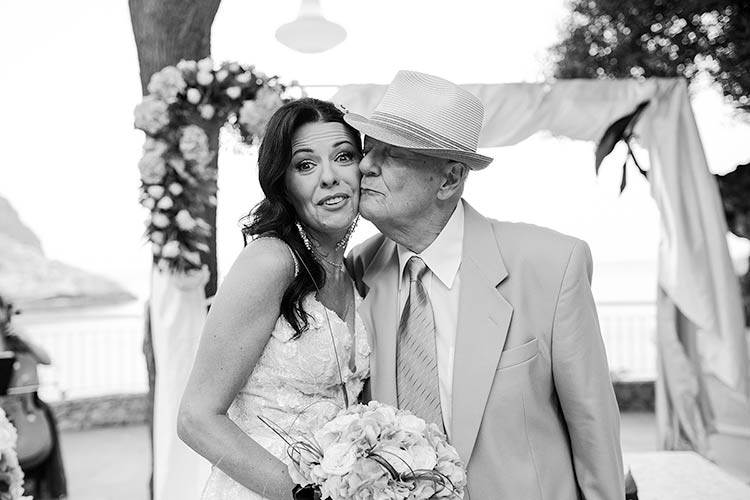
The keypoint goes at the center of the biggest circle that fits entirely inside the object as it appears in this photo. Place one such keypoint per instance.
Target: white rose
(171, 249)
(207, 111)
(156, 250)
(194, 95)
(401, 460)
(152, 167)
(8, 437)
(176, 189)
(184, 220)
(204, 78)
(160, 220)
(167, 83)
(424, 457)
(206, 64)
(156, 192)
(410, 423)
(187, 66)
(254, 115)
(248, 115)
(234, 92)
(294, 92)
(149, 203)
(194, 144)
(157, 237)
(151, 144)
(151, 115)
(212, 200)
(221, 75)
(165, 203)
(234, 67)
(338, 459)
(244, 77)
(385, 413)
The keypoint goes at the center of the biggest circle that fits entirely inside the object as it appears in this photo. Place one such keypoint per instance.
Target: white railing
(100, 353)
(629, 333)
(92, 353)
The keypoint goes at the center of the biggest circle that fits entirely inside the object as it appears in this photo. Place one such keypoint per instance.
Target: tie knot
(416, 268)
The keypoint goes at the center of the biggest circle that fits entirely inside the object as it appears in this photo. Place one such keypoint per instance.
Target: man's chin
(367, 212)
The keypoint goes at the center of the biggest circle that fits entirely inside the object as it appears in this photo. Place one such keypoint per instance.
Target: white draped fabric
(178, 312)
(695, 269)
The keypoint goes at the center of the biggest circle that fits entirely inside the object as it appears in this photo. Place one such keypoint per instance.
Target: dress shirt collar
(443, 256)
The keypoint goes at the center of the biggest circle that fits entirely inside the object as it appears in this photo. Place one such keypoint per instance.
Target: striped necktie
(416, 355)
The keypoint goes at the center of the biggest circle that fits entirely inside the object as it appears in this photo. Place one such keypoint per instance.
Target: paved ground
(113, 463)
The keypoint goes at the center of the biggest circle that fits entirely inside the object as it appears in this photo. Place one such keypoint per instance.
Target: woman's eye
(345, 156)
(305, 165)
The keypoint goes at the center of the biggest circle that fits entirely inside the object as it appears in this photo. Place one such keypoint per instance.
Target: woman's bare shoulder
(268, 260)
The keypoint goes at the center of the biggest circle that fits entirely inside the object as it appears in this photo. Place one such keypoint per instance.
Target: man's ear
(454, 175)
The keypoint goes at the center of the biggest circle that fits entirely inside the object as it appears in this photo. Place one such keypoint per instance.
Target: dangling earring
(303, 235)
(345, 240)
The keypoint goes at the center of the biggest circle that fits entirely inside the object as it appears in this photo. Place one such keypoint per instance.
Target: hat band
(416, 132)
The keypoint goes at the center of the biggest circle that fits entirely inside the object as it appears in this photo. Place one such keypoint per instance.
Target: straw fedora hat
(428, 115)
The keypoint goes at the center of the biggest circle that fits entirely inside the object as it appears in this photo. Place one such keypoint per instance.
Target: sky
(70, 82)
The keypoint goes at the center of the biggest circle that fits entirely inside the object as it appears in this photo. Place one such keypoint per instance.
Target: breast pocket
(518, 355)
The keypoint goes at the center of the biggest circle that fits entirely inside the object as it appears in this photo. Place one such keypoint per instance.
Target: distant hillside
(11, 225)
(31, 280)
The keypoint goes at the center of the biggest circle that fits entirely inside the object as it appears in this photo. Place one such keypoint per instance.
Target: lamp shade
(310, 32)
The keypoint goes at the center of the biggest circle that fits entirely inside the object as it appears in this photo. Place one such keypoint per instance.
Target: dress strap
(296, 261)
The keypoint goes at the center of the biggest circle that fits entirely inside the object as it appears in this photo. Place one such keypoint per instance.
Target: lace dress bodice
(296, 385)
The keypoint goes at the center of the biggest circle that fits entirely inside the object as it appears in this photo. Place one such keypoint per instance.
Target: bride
(282, 333)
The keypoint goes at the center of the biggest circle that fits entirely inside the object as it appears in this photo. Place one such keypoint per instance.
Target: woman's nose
(328, 176)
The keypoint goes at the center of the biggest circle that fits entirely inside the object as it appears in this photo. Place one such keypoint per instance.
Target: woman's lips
(333, 201)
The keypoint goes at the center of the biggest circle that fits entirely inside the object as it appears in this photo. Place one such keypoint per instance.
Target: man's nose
(367, 165)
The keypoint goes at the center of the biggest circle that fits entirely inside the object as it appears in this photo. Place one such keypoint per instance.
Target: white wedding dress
(296, 385)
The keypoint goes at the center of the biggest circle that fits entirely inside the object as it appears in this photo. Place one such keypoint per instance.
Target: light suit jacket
(534, 411)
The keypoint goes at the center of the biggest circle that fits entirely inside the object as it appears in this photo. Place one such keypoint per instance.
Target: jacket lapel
(379, 312)
(483, 320)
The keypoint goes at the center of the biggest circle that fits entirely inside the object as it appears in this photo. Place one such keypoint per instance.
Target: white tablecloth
(682, 475)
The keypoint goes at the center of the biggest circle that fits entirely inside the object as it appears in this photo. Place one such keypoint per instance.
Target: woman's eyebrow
(301, 150)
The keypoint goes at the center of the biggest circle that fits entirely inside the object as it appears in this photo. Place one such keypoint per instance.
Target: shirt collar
(443, 256)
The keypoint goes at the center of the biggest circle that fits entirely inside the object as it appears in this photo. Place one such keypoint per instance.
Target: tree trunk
(167, 31)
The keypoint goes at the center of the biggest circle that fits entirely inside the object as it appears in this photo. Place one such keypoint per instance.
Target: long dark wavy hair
(275, 215)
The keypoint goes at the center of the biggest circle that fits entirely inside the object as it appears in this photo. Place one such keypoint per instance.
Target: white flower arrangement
(151, 115)
(11, 475)
(178, 173)
(254, 115)
(376, 451)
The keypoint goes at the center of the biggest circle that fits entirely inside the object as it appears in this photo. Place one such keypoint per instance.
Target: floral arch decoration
(177, 179)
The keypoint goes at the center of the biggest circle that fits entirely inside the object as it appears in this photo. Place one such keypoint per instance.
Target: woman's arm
(237, 329)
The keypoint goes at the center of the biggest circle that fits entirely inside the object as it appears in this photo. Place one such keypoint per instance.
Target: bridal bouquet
(375, 451)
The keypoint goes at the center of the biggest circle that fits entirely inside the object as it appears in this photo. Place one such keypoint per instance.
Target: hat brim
(474, 161)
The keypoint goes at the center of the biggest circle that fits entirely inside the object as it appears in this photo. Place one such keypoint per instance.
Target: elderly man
(487, 328)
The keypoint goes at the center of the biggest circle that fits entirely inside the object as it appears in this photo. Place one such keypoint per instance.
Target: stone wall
(103, 411)
(132, 409)
(635, 396)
